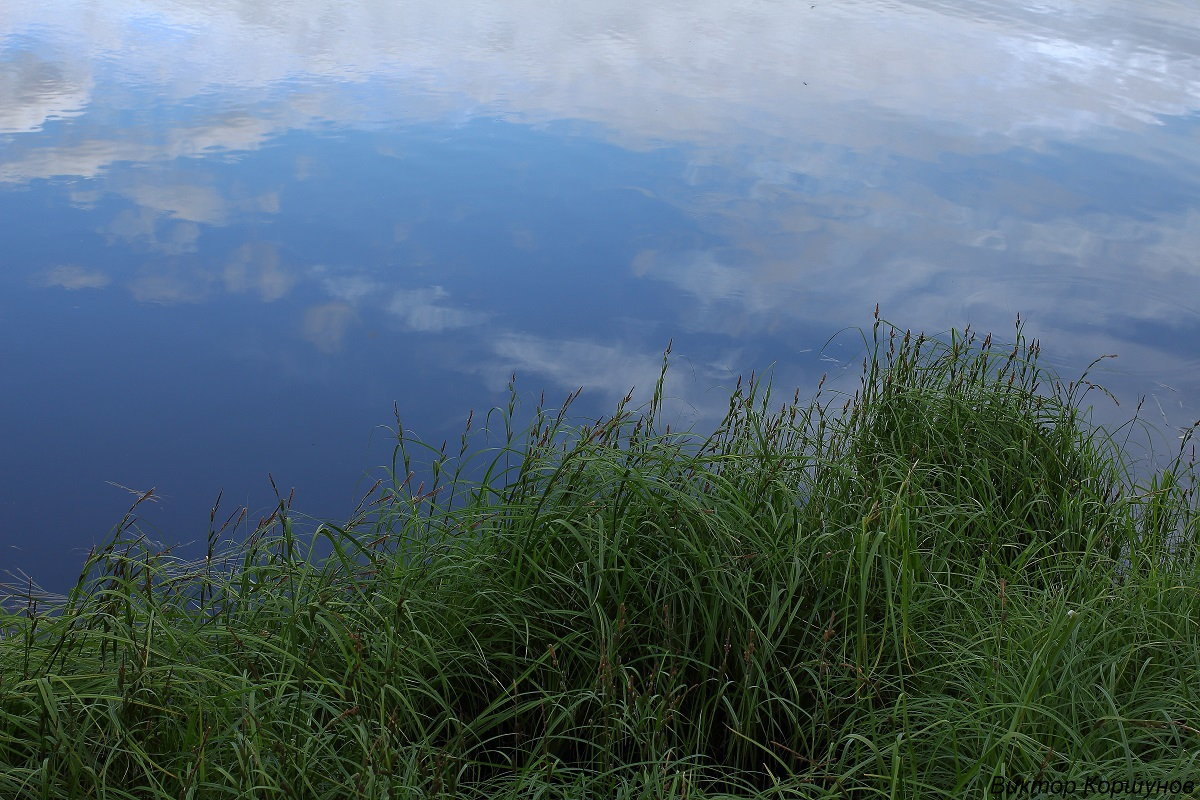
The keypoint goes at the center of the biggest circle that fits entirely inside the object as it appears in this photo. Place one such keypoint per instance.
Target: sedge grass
(946, 581)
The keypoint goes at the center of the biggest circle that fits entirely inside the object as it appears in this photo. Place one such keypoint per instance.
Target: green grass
(948, 578)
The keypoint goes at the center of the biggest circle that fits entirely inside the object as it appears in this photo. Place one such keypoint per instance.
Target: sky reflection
(235, 232)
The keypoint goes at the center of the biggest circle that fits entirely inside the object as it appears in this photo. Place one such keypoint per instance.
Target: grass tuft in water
(946, 581)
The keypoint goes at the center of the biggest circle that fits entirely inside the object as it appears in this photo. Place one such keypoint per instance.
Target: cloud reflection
(696, 72)
(606, 371)
(422, 310)
(35, 90)
(820, 144)
(73, 276)
(257, 267)
(326, 325)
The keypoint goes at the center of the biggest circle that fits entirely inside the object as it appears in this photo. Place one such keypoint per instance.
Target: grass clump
(944, 582)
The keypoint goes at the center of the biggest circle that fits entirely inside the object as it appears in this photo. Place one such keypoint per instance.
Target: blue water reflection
(235, 232)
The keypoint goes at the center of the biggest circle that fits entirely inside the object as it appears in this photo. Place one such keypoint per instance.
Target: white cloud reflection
(258, 268)
(326, 325)
(170, 286)
(712, 72)
(607, 371)
(423, 310)
(73, 276)
(35, 90)
(797, 121)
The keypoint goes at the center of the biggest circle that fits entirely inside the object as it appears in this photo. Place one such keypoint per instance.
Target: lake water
(234, 232)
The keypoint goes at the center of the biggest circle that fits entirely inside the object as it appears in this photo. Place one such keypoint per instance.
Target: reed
(946, 581)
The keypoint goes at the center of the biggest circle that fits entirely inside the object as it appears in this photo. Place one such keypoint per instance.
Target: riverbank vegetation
(941, 586)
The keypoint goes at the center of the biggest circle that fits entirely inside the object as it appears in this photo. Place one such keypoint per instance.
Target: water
(233, 233)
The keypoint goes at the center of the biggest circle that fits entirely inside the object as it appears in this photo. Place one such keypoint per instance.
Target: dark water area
(234, 233)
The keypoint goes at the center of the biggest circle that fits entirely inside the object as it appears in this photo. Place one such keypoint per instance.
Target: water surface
(235, 232)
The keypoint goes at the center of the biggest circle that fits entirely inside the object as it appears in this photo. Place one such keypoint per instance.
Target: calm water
(234, 232)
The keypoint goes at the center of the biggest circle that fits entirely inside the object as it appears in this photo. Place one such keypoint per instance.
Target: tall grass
(946, 581)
